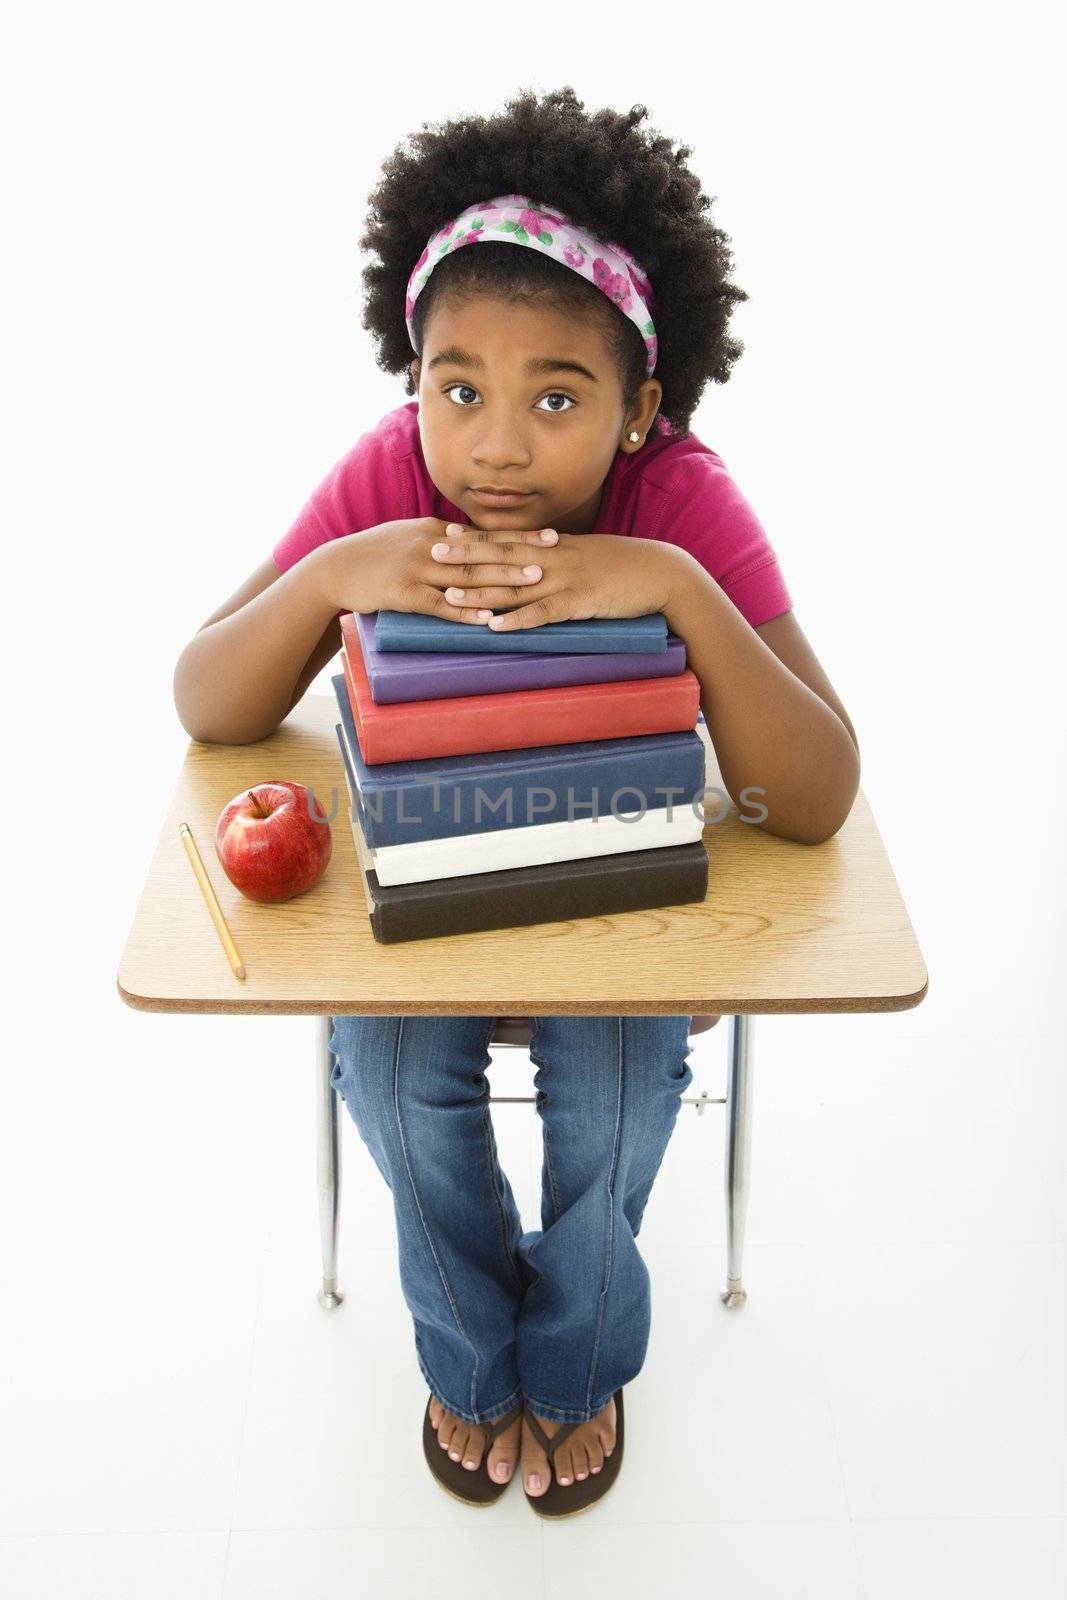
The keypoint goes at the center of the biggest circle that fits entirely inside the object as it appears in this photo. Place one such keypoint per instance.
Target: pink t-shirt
(674, 489)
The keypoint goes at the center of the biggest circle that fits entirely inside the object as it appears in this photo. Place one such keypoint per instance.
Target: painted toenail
(470, 1465)
(564, 1480)
(502, 1470)
(582, 1475)
(535, 1481)
(596, 1469)
(454, 1454)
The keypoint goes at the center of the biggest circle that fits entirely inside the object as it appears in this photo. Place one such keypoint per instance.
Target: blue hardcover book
(514, 849)
(400, 802)
(401, 675)
(415, 630)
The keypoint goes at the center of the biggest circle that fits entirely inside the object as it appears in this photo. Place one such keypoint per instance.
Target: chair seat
(518, 1030)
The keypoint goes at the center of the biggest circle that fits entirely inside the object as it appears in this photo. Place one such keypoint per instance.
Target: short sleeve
(364, 488)
(705, 512)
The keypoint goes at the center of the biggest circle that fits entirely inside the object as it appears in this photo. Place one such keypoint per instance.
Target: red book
(519, 720)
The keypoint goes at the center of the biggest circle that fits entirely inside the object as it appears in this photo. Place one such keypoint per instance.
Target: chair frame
(737, 1100)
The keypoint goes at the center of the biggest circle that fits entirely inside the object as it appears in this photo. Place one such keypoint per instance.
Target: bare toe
(536, 1473)
(504, 1453)
(445, 1432)
(467, 1443)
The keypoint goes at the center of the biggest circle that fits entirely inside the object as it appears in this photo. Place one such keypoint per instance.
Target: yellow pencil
(212, 901)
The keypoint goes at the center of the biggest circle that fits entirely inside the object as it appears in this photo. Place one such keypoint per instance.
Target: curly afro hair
(625, 184)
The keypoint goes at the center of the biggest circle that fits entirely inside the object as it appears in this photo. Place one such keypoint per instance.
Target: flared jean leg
(609, 1092)
(417, 1092)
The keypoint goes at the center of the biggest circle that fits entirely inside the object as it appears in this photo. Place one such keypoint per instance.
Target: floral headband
(516, 219)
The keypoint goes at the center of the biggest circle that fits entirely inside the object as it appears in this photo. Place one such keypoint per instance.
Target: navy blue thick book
(415, 630)
(401, 802)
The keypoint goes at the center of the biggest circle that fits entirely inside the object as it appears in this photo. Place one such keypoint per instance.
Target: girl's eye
(555, 394)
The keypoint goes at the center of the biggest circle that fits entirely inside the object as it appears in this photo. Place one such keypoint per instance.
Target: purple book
(399, 675)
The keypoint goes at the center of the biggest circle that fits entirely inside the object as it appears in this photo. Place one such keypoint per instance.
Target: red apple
(269, 843)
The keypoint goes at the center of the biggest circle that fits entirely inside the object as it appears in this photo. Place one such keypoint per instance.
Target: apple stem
(261, 811)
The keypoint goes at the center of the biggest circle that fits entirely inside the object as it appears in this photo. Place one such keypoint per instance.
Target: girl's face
(526, 398)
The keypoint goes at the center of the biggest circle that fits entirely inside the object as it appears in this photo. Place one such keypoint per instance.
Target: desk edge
(701, 1006)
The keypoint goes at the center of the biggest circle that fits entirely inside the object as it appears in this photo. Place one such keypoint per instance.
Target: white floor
(886, 1418)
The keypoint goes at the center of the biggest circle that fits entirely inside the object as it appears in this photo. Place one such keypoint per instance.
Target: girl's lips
(501, 500)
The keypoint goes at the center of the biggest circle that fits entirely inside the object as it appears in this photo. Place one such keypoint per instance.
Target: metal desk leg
(329, 1165)
(738, 1151)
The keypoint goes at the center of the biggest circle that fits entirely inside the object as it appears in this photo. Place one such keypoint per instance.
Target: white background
(183, 361)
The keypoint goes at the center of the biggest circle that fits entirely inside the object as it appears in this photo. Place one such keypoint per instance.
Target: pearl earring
(634, 437)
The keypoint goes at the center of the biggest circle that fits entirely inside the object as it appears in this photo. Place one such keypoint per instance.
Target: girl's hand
(390, 567)
(585, 575)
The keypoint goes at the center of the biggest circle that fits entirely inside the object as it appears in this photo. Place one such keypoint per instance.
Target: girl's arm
(246, 667)
(773, 733)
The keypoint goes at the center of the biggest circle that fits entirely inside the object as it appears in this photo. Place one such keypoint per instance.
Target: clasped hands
(571, 575)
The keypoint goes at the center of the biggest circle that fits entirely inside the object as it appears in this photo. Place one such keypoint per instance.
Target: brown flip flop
(473, 1488)
(568, 1500)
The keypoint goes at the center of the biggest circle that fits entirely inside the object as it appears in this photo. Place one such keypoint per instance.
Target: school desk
(785, 928)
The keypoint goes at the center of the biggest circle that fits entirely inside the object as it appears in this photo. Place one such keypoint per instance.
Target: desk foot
(738, 1153)
(328, 1163)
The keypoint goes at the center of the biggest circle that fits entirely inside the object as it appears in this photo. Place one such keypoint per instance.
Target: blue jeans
(558, 1317)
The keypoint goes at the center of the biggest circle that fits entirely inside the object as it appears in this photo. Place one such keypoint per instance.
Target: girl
(566, 300)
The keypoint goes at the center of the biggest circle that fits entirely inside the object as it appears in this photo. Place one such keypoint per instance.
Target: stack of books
(501, 779)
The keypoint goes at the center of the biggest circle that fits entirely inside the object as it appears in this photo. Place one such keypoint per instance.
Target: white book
(459, 855)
